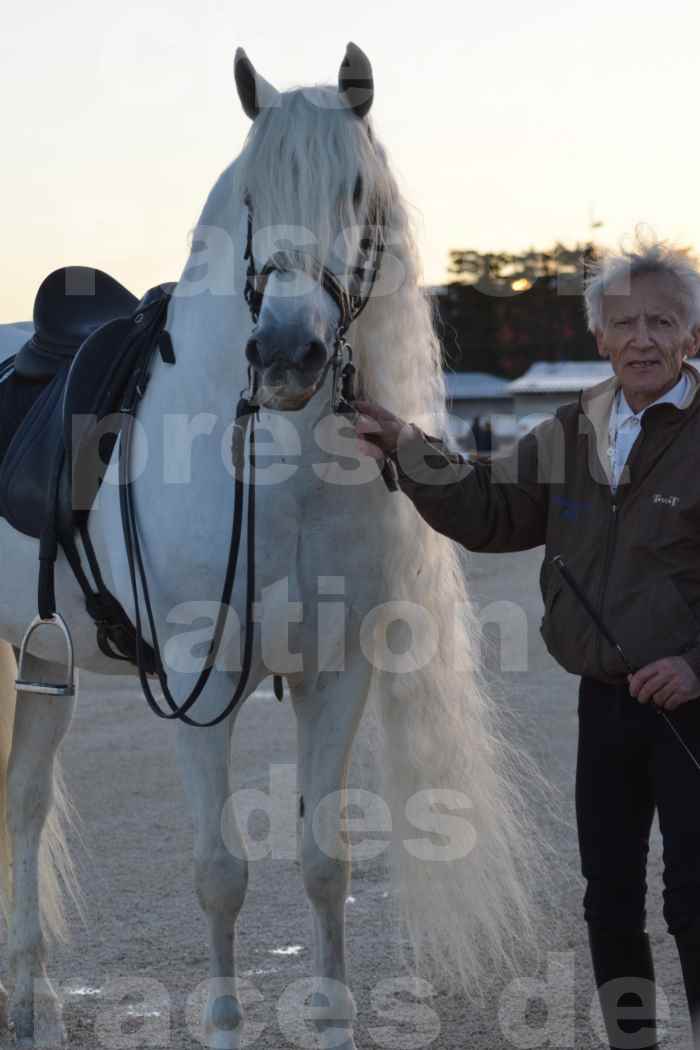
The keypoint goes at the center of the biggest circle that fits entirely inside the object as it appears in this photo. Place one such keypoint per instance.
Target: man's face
(646, 335)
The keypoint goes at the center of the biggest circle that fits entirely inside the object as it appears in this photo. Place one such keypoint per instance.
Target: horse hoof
(36, 1032)
(21, 1025)
(28, 1042)
(4, 1022)
(225, 1023)
(223, 1041)
(329, 1040)
(220, 1039)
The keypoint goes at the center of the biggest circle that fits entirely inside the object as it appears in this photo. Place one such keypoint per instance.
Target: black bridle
(350, 306)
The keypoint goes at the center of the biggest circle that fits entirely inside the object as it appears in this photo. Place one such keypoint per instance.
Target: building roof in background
(462, 385)
(560, 376)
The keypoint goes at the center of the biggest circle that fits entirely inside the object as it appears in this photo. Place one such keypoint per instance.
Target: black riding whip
(558, 561)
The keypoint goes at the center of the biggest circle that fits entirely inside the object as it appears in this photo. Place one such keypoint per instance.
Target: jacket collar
(676, 396)
(596, 404)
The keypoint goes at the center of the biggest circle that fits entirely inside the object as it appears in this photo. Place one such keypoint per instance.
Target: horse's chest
(319, 541)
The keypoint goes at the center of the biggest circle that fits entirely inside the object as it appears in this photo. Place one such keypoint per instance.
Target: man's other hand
(667, 683)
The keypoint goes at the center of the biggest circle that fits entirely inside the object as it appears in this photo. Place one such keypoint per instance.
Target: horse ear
(253, 90)
(355, 80)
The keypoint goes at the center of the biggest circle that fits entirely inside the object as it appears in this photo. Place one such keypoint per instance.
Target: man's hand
(668, 683)
(378, 429)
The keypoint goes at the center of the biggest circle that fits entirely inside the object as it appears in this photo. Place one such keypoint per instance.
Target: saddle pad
(29, 461)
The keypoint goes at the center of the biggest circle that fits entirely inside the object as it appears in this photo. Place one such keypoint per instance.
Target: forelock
(303, 161)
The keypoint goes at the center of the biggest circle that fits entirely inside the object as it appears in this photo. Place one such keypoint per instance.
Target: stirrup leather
(66, 688)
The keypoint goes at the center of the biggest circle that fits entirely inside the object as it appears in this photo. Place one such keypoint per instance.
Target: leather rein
(153, 319)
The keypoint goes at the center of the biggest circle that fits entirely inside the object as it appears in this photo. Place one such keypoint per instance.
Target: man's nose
(642, 335)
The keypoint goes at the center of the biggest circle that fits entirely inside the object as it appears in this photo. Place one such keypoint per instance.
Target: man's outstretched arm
(490, 507)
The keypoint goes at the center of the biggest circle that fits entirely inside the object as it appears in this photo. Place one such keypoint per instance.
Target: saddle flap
(91, 403)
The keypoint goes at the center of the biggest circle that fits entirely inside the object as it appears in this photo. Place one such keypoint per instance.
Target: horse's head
(310, 183)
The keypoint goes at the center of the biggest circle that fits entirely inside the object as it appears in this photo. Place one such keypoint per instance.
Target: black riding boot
(625, 958)
(688, 944)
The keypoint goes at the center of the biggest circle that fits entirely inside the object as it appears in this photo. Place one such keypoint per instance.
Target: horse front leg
(40, 724)
(221, 872)
(327, 719)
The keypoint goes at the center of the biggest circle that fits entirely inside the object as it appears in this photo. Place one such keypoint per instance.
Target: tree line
(503, 311)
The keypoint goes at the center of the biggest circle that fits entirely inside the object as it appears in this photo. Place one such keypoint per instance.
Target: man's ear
(694, 341)
(600, 343)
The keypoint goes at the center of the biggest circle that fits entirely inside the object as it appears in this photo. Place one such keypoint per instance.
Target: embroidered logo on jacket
(570, 508)
(671, 501)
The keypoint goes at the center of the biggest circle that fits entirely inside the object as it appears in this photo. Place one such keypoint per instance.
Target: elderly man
(610, 484)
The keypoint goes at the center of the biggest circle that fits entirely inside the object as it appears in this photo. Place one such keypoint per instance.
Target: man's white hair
(615, 270)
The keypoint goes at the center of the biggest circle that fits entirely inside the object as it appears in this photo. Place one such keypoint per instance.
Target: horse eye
(357, 191)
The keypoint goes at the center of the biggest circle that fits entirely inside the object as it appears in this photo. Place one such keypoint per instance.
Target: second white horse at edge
(312, 162)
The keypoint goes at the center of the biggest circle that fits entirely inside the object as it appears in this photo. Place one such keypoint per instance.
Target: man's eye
(664, 322)
(621, 324)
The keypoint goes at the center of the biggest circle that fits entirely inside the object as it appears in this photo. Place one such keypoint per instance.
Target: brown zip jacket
(635, 553)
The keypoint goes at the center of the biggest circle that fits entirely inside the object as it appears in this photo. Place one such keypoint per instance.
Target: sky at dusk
(508, 124)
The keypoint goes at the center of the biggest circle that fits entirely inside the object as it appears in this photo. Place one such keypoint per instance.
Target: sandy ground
(143, 947)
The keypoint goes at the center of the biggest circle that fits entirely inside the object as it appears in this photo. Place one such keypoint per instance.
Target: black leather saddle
(81, 318)
(70, 305)
(89, 339)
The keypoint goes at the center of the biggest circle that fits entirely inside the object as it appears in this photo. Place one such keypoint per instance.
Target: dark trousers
(629, 763)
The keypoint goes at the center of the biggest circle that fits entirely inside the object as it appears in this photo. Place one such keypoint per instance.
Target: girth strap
(113, 625)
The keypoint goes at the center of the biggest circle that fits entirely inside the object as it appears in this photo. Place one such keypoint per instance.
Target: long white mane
(309, 164)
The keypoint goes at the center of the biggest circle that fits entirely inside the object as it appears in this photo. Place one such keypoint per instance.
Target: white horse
(328, 531)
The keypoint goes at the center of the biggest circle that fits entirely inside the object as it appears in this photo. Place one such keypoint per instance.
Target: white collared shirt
(624, 426)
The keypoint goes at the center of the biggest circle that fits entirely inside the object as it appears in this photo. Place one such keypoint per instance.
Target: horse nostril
(313, 356)
(252, 353)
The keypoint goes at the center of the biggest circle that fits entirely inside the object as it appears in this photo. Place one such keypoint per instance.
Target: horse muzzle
(288, 376)
(284, 391)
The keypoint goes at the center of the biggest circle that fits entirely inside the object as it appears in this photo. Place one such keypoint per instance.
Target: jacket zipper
(609, 547)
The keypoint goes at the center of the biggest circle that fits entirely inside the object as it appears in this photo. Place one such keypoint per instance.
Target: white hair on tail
(310, 165)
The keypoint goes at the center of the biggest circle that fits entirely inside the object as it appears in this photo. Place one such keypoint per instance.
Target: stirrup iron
(66, 688)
